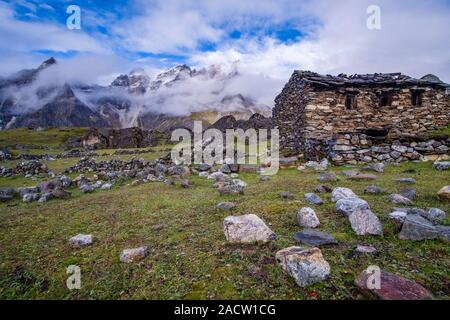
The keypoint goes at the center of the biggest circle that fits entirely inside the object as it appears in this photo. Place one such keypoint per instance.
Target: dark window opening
(385, 99)
(350, 102)
(376, 133)
(416, 98)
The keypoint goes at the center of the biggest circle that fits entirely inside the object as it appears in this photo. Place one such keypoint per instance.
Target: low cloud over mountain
(46, 96)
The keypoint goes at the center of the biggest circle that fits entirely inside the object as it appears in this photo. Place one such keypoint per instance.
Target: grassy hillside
(188, 255)
(51, 137)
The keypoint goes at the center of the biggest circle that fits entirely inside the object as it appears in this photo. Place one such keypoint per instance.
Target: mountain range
(173, 98)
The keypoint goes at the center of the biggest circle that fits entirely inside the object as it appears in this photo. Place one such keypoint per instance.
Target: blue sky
(267, 36)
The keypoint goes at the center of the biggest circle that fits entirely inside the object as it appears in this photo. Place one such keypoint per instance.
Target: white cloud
(25, 36)
(413, 40)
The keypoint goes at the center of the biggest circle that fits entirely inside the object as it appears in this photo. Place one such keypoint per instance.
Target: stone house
(361, 118)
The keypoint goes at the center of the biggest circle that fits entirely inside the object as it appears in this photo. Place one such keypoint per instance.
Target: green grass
(439, 132)
(51, 137)
(189, 257)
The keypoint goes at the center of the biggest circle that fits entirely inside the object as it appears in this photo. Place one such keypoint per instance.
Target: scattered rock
(230, 188)
(363, 176)
(186, 183)
(133, 255)
(328, 176)
(376, 166)
(347, 206)
(314, 238)
(399, 199)
(80, 240)
(290, 162)
(444, 193)
(264, 178)
(323, 165)
(106, 186)
(226, 205)
(248, 228)
(434, 215)
(61, 194)
(306, 265)
(203, 174)
(392, 287)
(45, 197)
(444, 165)
(410, 193)
(341, 193)
(66, 181)
(417, 228)
(362, 249)
(399, 218)
(323, 189)
(307, 218)
(203, 167)
(365, 222)
(29, 197)
(87, 188)
(7, 194)
(27, 190)
(287, 195)
(313, 198)
(406, 180)
(225, 168)
(444, 232)
(372, 189)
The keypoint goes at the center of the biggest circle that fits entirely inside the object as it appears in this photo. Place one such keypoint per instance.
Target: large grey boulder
(417, 228)
(307, 218)
(347, 206)
(306, 265)
(80, 240)
(248, 228)
(365, 222)
(134, 254)
(341, 193)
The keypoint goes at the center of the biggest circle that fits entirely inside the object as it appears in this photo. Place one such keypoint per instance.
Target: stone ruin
(362, 118)
(122, 138)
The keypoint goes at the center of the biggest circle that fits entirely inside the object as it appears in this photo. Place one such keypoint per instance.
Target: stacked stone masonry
(378, 117)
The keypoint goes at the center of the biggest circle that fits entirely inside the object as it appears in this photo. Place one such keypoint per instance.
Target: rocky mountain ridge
(170, 99)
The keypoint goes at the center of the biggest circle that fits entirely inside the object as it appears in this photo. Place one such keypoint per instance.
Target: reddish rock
(393, 287)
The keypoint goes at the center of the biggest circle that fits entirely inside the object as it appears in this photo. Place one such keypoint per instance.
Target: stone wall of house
(326, 114)
(313, 119)
(288, 113)
(359, 148)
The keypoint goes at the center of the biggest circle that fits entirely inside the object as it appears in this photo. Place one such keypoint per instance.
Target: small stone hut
(362, 118)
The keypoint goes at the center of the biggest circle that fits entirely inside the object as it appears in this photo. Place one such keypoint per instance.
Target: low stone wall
(355, 148)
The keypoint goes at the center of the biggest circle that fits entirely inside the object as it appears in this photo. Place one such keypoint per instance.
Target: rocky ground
(140, 227)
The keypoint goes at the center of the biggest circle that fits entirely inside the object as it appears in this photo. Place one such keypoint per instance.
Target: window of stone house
(350, 102)
(385, 99)
(416, 97)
